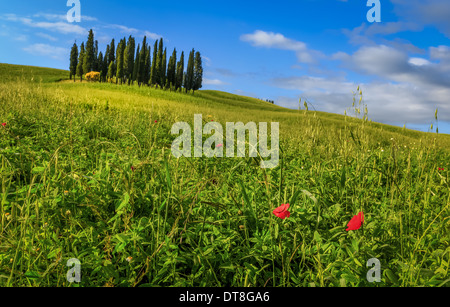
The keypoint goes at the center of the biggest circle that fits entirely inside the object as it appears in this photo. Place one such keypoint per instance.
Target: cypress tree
(171, 68)
(164, 68)
(89, 53)
(142, 60)
(180, 72)
(100, 65)
(80, 62)
(159, 64)
(198, 72)
(96, 65)
(112, 54)
(154, 74)
(189, 79)
(136, 73)
(128, 64)
(106, 63)
(148, 63)
(119, 61)
(111, 70)
(73, 61)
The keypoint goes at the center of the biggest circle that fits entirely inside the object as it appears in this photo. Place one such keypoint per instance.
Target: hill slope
(87, 172)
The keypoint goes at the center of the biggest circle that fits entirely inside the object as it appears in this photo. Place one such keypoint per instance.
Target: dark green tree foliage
(101, 68)
(171, 68)
(111, 70)
(180, 72)
(96, 65)
(164, 67)
(159, 63)
(105, 63)
(80, 62)
(119, 61)
(154, 74)
(147, 65)
(89, 53)
(112, 54)
(73, 61)
(142, 60)
(198, 72)
(128, 65)
(136, 70)
(189, 78)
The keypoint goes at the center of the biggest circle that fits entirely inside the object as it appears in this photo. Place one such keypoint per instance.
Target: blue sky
(319, 50)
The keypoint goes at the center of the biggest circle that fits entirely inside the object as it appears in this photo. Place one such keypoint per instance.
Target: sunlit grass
(87, 173)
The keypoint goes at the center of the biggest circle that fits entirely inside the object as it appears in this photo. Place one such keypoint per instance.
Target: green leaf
(350, 278)
(391, 276)
(317, 237)
(126, 199)
(38, 170)
(32, 275)
(310, 196)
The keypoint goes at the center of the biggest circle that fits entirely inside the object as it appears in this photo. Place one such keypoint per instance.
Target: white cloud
(152, 35)
(387, 102)
(46, 36)
(213, 82)
(57, 53)
(279, 41)
(59, 26)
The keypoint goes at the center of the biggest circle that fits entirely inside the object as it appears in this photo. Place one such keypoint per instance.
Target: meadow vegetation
(87, 173)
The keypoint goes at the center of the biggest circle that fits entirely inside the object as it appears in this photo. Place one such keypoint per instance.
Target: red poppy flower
(441, 168)
(282, 212)
(356, 222)
(156, 121)
(4, 124)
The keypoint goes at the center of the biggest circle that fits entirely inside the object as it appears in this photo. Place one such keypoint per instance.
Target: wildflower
(4, 124)
(68, 212)
(156, 121)
(282, 212)
(441, 168)
(129, 259)
(241, 227)
(66, 193)
(133, 168)
(356, 222)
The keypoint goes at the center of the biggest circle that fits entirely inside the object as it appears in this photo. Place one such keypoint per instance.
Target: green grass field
(87, 173)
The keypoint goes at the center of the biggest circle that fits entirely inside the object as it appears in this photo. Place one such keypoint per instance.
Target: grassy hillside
(87, 173)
